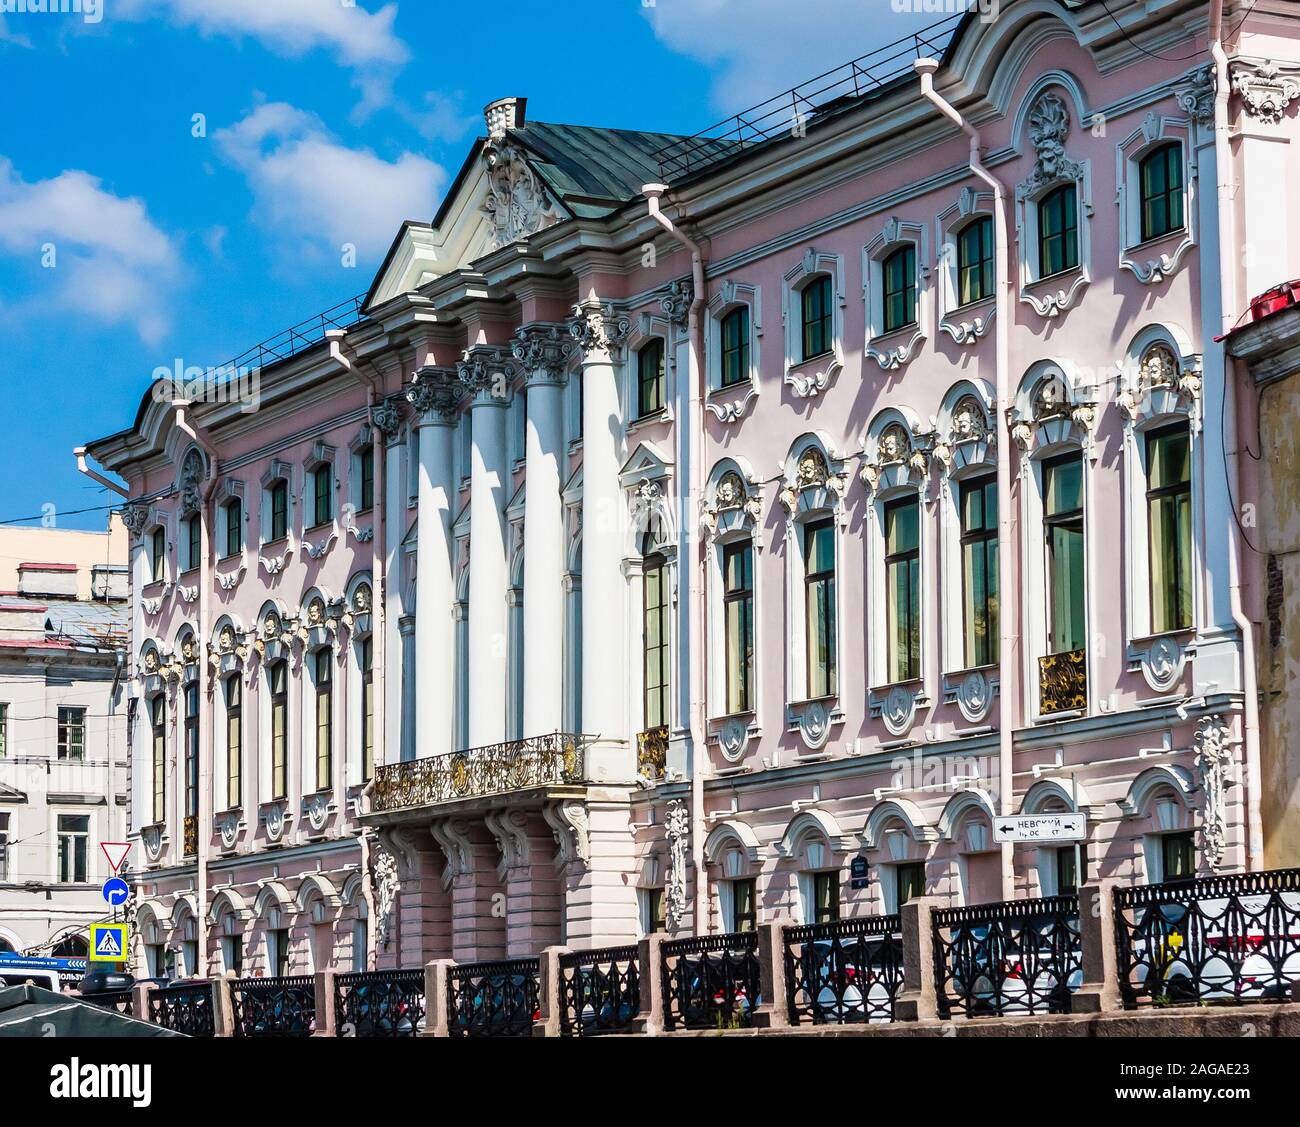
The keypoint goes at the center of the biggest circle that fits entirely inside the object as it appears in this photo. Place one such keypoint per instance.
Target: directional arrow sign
(1041, 827)
(116, 891)
(116, 852)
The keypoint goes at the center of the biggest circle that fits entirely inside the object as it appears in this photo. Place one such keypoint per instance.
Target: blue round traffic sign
(116, 891)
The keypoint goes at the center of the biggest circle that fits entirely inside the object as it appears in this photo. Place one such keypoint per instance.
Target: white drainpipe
(1007, 635)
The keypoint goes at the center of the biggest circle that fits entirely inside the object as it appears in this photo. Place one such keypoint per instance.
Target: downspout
(1228, 304)
(80, 454)
(1002, 341)
(378, 607)
(204, 828)
(695, 423)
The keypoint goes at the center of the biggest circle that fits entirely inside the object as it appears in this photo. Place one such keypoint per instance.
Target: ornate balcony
(190, 836)
(558, 759)
(652, 753)
(1063, 682)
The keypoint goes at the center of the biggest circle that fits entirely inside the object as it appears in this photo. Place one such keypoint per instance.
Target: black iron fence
(379, 1004)
(1017, 957)
(121, 1001)
(183, 1008)
(600, 991)
(843, 972)
(497, 999)
(710, 982)
(274, 1007)
(1229, 939)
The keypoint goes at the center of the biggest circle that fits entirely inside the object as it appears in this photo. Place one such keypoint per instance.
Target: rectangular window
(903, 589)
(366, 484)
(234, 690)
(322, 495)
(910, 881)
(366, 660)
(74, 851)
(232, 954)
(738, 615)
(1058, 232)
(650, 379)
(655, 909)
(819, 604)
(975, 261)
(1161, 182)
(735, 347)
(1063, 525)
(324, 720)
(4, 729)
(360, 942)
(818, 317)
(193, 543)
(280, 729)
(1067, 872)
(72, 733)
(158, 555)
(1169, 527)
(655, 626)
(158, 724)
(279, 952)
(744, 905)
(279, 509)
(979, 570)
(192, 749)
(899, 273)
(234, 527)
(1178, 856)
(4, 848)
(826, 897)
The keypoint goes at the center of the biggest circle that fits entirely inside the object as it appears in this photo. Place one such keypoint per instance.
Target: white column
(387, 419)
(544, 350)
(600, 332)
(486, 372)
(436, 395)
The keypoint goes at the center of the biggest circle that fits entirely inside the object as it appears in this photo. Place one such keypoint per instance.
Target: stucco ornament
(811, 469)
(228, 827)
(151, 664)
(598, 327)
(151, 836)
(968, 422)
(436, 394)
(676, 303)
(192, 475)
(1049, 125)
(1266, 90)
(731, 491)
(677, 826)
(974, 696)
(544, 351)
(362, 599)
(1196, 96)
(135, 517)
(571, 827)
(384, 882)
(898, 709)
(733, 737)
(386, 417)
(1213, 763)
(518, 204)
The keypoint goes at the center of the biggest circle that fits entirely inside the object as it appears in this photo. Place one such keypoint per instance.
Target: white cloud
(9, 35)
(762, 47)
(109, 258)
(307, 184)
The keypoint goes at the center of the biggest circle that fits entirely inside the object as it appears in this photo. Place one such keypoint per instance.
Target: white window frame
(322, 460)
(965, 324)
(276, 472)
(809, 378)
(1155, 260)
(729, 404)
(892, 350)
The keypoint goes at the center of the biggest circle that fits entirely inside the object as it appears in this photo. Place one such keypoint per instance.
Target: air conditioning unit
(1270, 301)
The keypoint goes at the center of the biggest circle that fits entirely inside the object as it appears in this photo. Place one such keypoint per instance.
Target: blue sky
(324, 122)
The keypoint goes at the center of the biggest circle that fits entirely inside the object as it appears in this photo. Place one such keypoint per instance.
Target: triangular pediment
(647, 460)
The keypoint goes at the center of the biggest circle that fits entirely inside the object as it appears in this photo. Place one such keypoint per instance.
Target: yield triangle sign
(116, 852)
(109, 945)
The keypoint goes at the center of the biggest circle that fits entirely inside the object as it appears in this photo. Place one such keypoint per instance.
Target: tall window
(359, 945)
(819, 604)
(366, 659)
(1058, 231)
(1169, 527)
(158, 724)
(1063, 521)
(654, 619)
(279, 676)
(322, 479)
(1178, 856)
(650, 379)
(1161, 181)
(655, 918)
(735, 346)
(366, 478)
(738, 615)
(899, 274)
(234, 527)
(910, 881)
(324, 719)
(903, 588)
(1067, 871)
(192, 748)
(158, 554)
(278, 944)
(193, 542)
(979, 570)
(279, 509)
(4, 729)
(818, 317)
(74, 839)
(234, 691)
(744, 905)
(975, 261)
(72, 733)
(826, 897)
(232, 954)
(4, 848)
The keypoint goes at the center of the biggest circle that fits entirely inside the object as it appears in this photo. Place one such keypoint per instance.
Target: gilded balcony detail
(1063, 682)
(190, 835)
(652, 753)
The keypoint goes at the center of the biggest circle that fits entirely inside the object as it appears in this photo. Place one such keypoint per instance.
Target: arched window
(818, 316)
(233, 692)
(975, 261)
(650, 379)
(898, 272)
(654, 607)
(158, 727)
(1160, 179)
(903, 588)
(735, 346)
(1169, 526)
(819, 607)
(1058, 231)
(158, 554)
(1063, 527)
(978, 513)
(278, 675)
(365, 660)
(234, 512)
(324, 688)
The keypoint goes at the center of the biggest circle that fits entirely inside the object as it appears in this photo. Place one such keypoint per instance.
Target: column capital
(436, 394)
(599, 329)
(543, 348)
(486, 372)
(386, 416)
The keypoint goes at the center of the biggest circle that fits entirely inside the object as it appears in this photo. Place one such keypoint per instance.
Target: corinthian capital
(486, 371)
(543, 350)
(386, 417)
(436, 394)
(598, 327)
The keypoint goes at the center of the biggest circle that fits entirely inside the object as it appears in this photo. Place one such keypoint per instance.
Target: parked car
(617, 1006)
(998, 977)
(710, 981)
(837, 979)
(500, 1006)
(17, 973)
(381, 1009)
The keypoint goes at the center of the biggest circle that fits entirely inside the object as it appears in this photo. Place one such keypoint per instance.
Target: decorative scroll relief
(677, 825)
(153, 841)
(135, 517)
(1266, 89)
(228, 828)
(571, 827)
(544, 351)
(973, 695)
(1214, 764)
(813, 720)
(1163, 384)
(385, 884)
(518, 204)
(599, 328)
(509, 829)
(436, 394)
(386, 417)
(734, 411)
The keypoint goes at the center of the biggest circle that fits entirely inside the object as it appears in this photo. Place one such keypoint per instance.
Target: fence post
(774, 1012)
(650, 1020)
(549, 984)
(140, 1001)
(1099, 992)
(323, 987)
(436, 1019)
(223, 1008)
(918, 998)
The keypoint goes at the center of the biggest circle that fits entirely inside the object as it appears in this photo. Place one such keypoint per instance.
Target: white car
(16, 973)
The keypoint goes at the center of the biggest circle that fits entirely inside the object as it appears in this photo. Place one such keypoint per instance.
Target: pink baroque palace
(688, 533)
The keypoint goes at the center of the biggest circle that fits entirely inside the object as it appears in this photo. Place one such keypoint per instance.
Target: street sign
(116, 891)
(1041, 827)
(108, 943)
(116, 852)
(858, 873)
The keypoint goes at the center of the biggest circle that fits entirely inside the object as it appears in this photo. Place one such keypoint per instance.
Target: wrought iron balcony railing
(190, 835)
(1063, 682)
(652, 753)
(557, 759)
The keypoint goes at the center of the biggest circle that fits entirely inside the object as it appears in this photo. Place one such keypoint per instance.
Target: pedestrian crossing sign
(107, 943)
